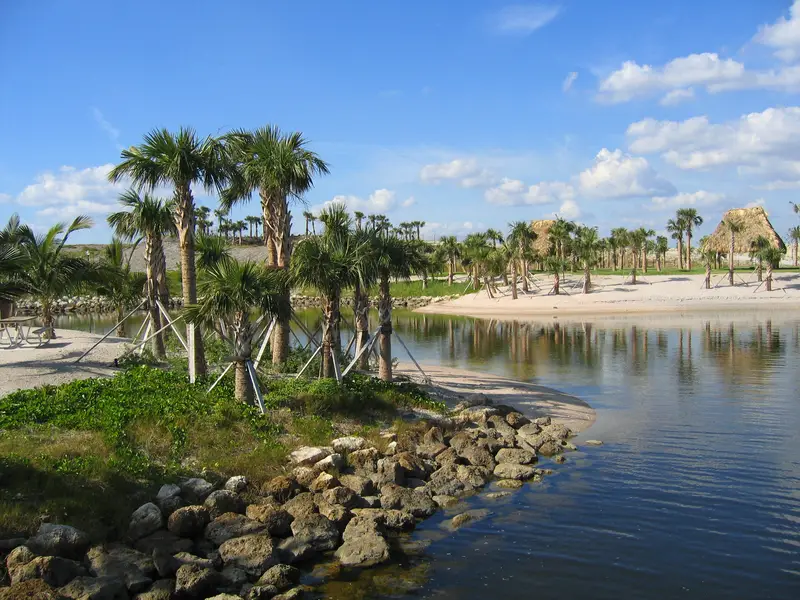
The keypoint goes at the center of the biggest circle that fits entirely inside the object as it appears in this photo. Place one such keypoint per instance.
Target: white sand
(611, 294)
(53, 364)
(531, 400)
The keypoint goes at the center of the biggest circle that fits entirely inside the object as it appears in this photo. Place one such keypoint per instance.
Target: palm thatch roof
(542, 243)
(753, 222)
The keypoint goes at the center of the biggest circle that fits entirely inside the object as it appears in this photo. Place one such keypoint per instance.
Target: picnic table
(15, 331)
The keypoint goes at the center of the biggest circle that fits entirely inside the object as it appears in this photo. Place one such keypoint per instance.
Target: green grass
(89, 452)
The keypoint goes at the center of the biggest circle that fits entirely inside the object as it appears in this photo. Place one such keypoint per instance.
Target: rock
(478, 457)
(281, 488)
(468, 517)
(364, 545)
(323, 482)
(473, 400)
(389, 436)
(445, 482)
(94, 588)
(332, 462)
(364, 462)
(360, 485)
(449, 457)
(391, 449)
(277, 520)
(557, 431)
(316, 530)
(397, 520)
(164, 562)
(465, 439)
(262, 592)
(560, 459)
(304, 476)
(499, 425)
(184, 558)
(233, 577)
(529, 431)
(593, 443)
(168, 490)
(192, 581)
(549, 448)
(231, 525)
(223, 501)
(59, 540)
(342, 496)
(497, 495)
(512, 471)
(517, 420)
(165, 540)
(301, 505)
(226, 597)
(251, 553)
(281, 577)
(512, 484)
(515, 456)
(308, 455)
(135, 568)
(236, 484)
(33, 589)
(370, 502)
(188, 521)
(445, 501)
(473, 476)
(160, 590)
(542, 421)
(170, 505)
(346, 445)
(434, 435)
(8, 544)
(413, 465)
(196, 489)
(388, 471)
(18, 557)
(417, 503)
(293, 594)
(335, 513)
(431, 451)
(293, 550)
(145, 520)
(55, 571)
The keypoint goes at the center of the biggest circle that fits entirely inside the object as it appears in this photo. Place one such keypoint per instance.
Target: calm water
(695, 494)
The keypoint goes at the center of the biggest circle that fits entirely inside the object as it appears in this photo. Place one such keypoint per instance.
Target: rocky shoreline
(348, 502)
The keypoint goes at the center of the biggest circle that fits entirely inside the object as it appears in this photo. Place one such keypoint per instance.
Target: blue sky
(465, 115)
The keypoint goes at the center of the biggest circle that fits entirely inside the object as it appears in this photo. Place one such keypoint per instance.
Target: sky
(464, 115)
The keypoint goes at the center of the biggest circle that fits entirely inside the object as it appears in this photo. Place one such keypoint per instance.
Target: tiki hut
(753, 221)
(541, 228)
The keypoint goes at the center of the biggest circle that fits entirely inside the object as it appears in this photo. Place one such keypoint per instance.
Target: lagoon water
(694, 494)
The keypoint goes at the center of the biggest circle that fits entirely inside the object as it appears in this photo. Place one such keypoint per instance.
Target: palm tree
(149, 218)
(620, 238)
(359, 216)
(587, 243)
(555, 266)
(280, 167)
(123, 287)
(180, 160)
(240, 227)
(494, 236)
(475, 252)
(772, 256)
(662, 245)
(330, 263)
(757, 246)
(201, 214)
(734, 227)
(419, 225)
(709, 259)
(677, 228)
(522, 236)
(794, 235)
(48, 273)
(252, 222)
(230, 291)
(452, 251)
(690, 220)
(10, 263)
(308, 216)
(211, 251)
(220, 213)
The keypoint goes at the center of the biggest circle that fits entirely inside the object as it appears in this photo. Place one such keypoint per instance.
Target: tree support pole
(365, 348)
(112, 330)
(414, 360)
(264, 342)
(256, 388)
(165, 314)
(213, 385)
(148, 338)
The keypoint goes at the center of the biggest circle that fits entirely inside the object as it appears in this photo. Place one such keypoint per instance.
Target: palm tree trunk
(450, 269)
(514, 279)
(633, 276)
(708, 276)
(277, 257)
(769, 277)
(689, 250)
(360, 308)
(644, 259)
(525, 289)
(587, 278)
(120, 315)
(730, 258)
(760, 270)
(331, 313)
(385, 319)
(47, 319)
(556, 283)
(243, 386)
(184, 218)
(680, 253)
(154, 270)
(796, 244)
(658, 261)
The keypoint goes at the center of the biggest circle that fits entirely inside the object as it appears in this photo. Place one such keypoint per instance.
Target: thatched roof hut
(541, 228)
(754, 222)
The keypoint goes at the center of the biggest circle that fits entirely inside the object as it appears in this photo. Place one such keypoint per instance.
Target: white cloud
(699, 198)
(754, 203)
(81, 207)
(677, 96)
(569, 210)
(111, 131)
(465, 171)
(513, 192)
(379, 201)
(410, 201)
(618, 175)
(765, 143)
(568, 81)
(457, 228)
(523, 19)
(4, 198)
(783, 35)
(778, 184)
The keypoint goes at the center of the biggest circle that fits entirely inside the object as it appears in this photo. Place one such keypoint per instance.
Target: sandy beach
(614, 294)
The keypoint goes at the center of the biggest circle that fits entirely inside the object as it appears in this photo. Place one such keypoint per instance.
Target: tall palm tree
(220, 213)
(452, 251)
(677, 228)
(709, 260)
(772, 256)
(494, 236)
(555, 266)
(252, 222)
(662, 245)
(281, 168)
(794, 235)
(359, 217)
(757, 247)
(587, 242)
(230, 291)
(10, 263)
(179, 159)
(124, 287)
(734, 227)
(211, 251)
(308, 215)
(49, 273)
(149, 218)
(690, 220)
(330, 263)
(522, 236)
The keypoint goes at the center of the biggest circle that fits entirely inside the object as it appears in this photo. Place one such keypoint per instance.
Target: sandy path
(610, 294)
(53, 364)
(530, 399)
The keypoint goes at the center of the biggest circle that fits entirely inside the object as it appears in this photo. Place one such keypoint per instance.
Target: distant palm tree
(734, 227)
(709, 260)
(252, 222)
(587, 242)
(181, 160)
(677, 228)
(419, 225)
(794, 235)
(494, 236)
(124, 288)
(230, 291)
(359, 216)
(772, 256)
(452, 251)
(211, 251)
(690, 220)
(757, 247)
(308, 216)
(662, 245)
(522, 236)
(555, 266)
(220, 213)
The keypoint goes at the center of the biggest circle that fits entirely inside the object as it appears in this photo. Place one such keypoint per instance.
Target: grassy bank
(89, 452)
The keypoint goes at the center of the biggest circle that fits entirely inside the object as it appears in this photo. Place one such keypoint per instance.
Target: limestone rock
(251, 553)
(135, 568)
(223, 501)
(469, 516)
(308, 455)
(342, 496)
(542, 421)
(335, 513)
(512, 471)
(346, 445)
(277, 519)
(360, 485)
(445, 482)
(188, 521)
(549, 448)
(293, 594)
(94, 588)
(323, 482)
(59, 540)
(449, 457)
(196, 489)
(417, 503)
(413, 465)
(388, 471)
(145, 520)
(332, 462)
(301, 505)
(165, 540)
(282, 577)
(516, 456)
(53, 570)
(281, 488)
(233, 577)
(593, 443)
(397, 520)
(517, 420)
(262, 592)
(473, 476)
(231, 525)
(164, 562)
(512, 484)
(160, 590)
(478, 456)
(434, 435)
(560, 459)
(364, 462)
(445, 501)
(304, 476)
(236, 484)
(316, 530)
(557, 431)
(170, 505)
(33, 589)
(431, 451)
(364, 545)
(192, 581)
(497, 495)
(168, 490)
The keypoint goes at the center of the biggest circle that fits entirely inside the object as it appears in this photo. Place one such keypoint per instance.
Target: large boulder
(473, 476)
(316, 530)
(517, 420)
(251, 553)
(342, 496)
(388, 470)
(223, 501)
(282, 577)
(94, 588)
(53, 570)
(446, 482)
(364, 544)
(135, 568)
(397, 520)
(364, 462)
(346, 445)
(332, 462)
(145, 520)
(276, 518)
(469, 516)
(360, 485)
(33, 589)
(413, 465)
(304, 476)
(163, 589)
(478, 456)
(281, 488)
(516, 456)
(169, 542)
(236, 484)
(308, 455)
(449, 457)
(301, 505)
(189, 521)
(231, 525)
(324, 481)
(59, 540)
(168, 490)
(192, 581)
(417, 503)
(196, 489)
(513, 471)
